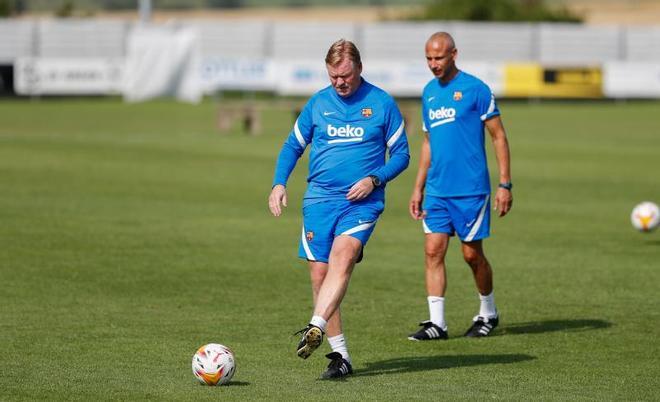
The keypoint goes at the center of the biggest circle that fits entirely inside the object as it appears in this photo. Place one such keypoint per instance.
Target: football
(645, 216)
(213, 364)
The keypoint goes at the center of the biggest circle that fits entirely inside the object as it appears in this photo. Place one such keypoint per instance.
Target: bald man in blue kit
(452, 190)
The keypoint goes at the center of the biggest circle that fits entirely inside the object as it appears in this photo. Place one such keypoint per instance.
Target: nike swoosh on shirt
(470, 223)
(360, 221)
(328, 113)
(431, 98)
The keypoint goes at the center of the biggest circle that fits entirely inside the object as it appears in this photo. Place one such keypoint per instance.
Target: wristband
(375, 180)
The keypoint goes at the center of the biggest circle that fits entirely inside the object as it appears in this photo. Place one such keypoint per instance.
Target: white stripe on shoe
(432, 332)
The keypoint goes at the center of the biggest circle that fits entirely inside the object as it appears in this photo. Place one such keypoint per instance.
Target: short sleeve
(486, 105)
(425, 123)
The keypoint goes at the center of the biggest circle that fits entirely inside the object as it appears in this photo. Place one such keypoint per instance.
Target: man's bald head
(441, 56)
(441, 40)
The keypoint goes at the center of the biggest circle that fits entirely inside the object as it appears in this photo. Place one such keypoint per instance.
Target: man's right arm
(415, 206)
(292, 149)
(286, 162)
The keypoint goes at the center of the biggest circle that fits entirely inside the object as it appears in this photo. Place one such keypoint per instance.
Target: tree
(495, 10)
(6, 8)
(65, 10)
(224, 3)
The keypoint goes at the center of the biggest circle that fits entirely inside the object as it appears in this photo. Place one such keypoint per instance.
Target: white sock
(318, 321)
(338, 344)
(437, 310)
(487, 309)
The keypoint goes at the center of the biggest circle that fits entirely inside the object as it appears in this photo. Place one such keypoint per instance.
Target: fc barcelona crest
(367, 112)
(458, 95)
(309, 236)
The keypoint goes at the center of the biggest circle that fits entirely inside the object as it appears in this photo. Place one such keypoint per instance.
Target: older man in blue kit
(350, 126)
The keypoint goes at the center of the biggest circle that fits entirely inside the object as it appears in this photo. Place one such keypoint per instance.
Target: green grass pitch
(132, 234)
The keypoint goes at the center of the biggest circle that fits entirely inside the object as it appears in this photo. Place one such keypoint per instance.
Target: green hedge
(495, 10)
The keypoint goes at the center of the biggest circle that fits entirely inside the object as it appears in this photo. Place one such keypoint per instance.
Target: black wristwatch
(375, 180)
(508, 185)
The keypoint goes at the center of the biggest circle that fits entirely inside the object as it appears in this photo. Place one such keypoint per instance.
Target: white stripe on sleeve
(396, 135)
(299, 136)
(491, 107)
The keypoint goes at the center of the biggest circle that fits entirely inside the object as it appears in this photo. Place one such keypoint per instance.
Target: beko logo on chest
(345, 131)
(442, 113)
(442, 116)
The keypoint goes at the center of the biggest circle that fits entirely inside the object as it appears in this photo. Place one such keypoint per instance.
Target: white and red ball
(213, 364)
(645, 216)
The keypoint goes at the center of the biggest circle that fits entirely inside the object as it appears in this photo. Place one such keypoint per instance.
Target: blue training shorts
(323, 221)
(469, 217)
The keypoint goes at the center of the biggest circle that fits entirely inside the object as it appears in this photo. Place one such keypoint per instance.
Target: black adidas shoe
(429, 332)
(338, 367)
(312, 337)
(482, 326)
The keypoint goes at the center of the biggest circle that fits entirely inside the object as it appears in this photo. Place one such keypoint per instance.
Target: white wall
(552, 44)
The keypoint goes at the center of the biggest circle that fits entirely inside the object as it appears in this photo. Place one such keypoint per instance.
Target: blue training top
(453, 115)
(348, 137)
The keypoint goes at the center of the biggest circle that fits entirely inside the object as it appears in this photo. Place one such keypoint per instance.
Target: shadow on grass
(236, 384)
(538, 327)
(426, 363)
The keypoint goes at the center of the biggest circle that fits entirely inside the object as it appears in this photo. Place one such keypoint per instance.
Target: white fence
(17, 40)
(545, 43)
(260, 54)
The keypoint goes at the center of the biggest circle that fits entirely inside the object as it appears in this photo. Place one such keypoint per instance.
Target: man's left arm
(399, 157)
(397, 143)
(503, 196)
